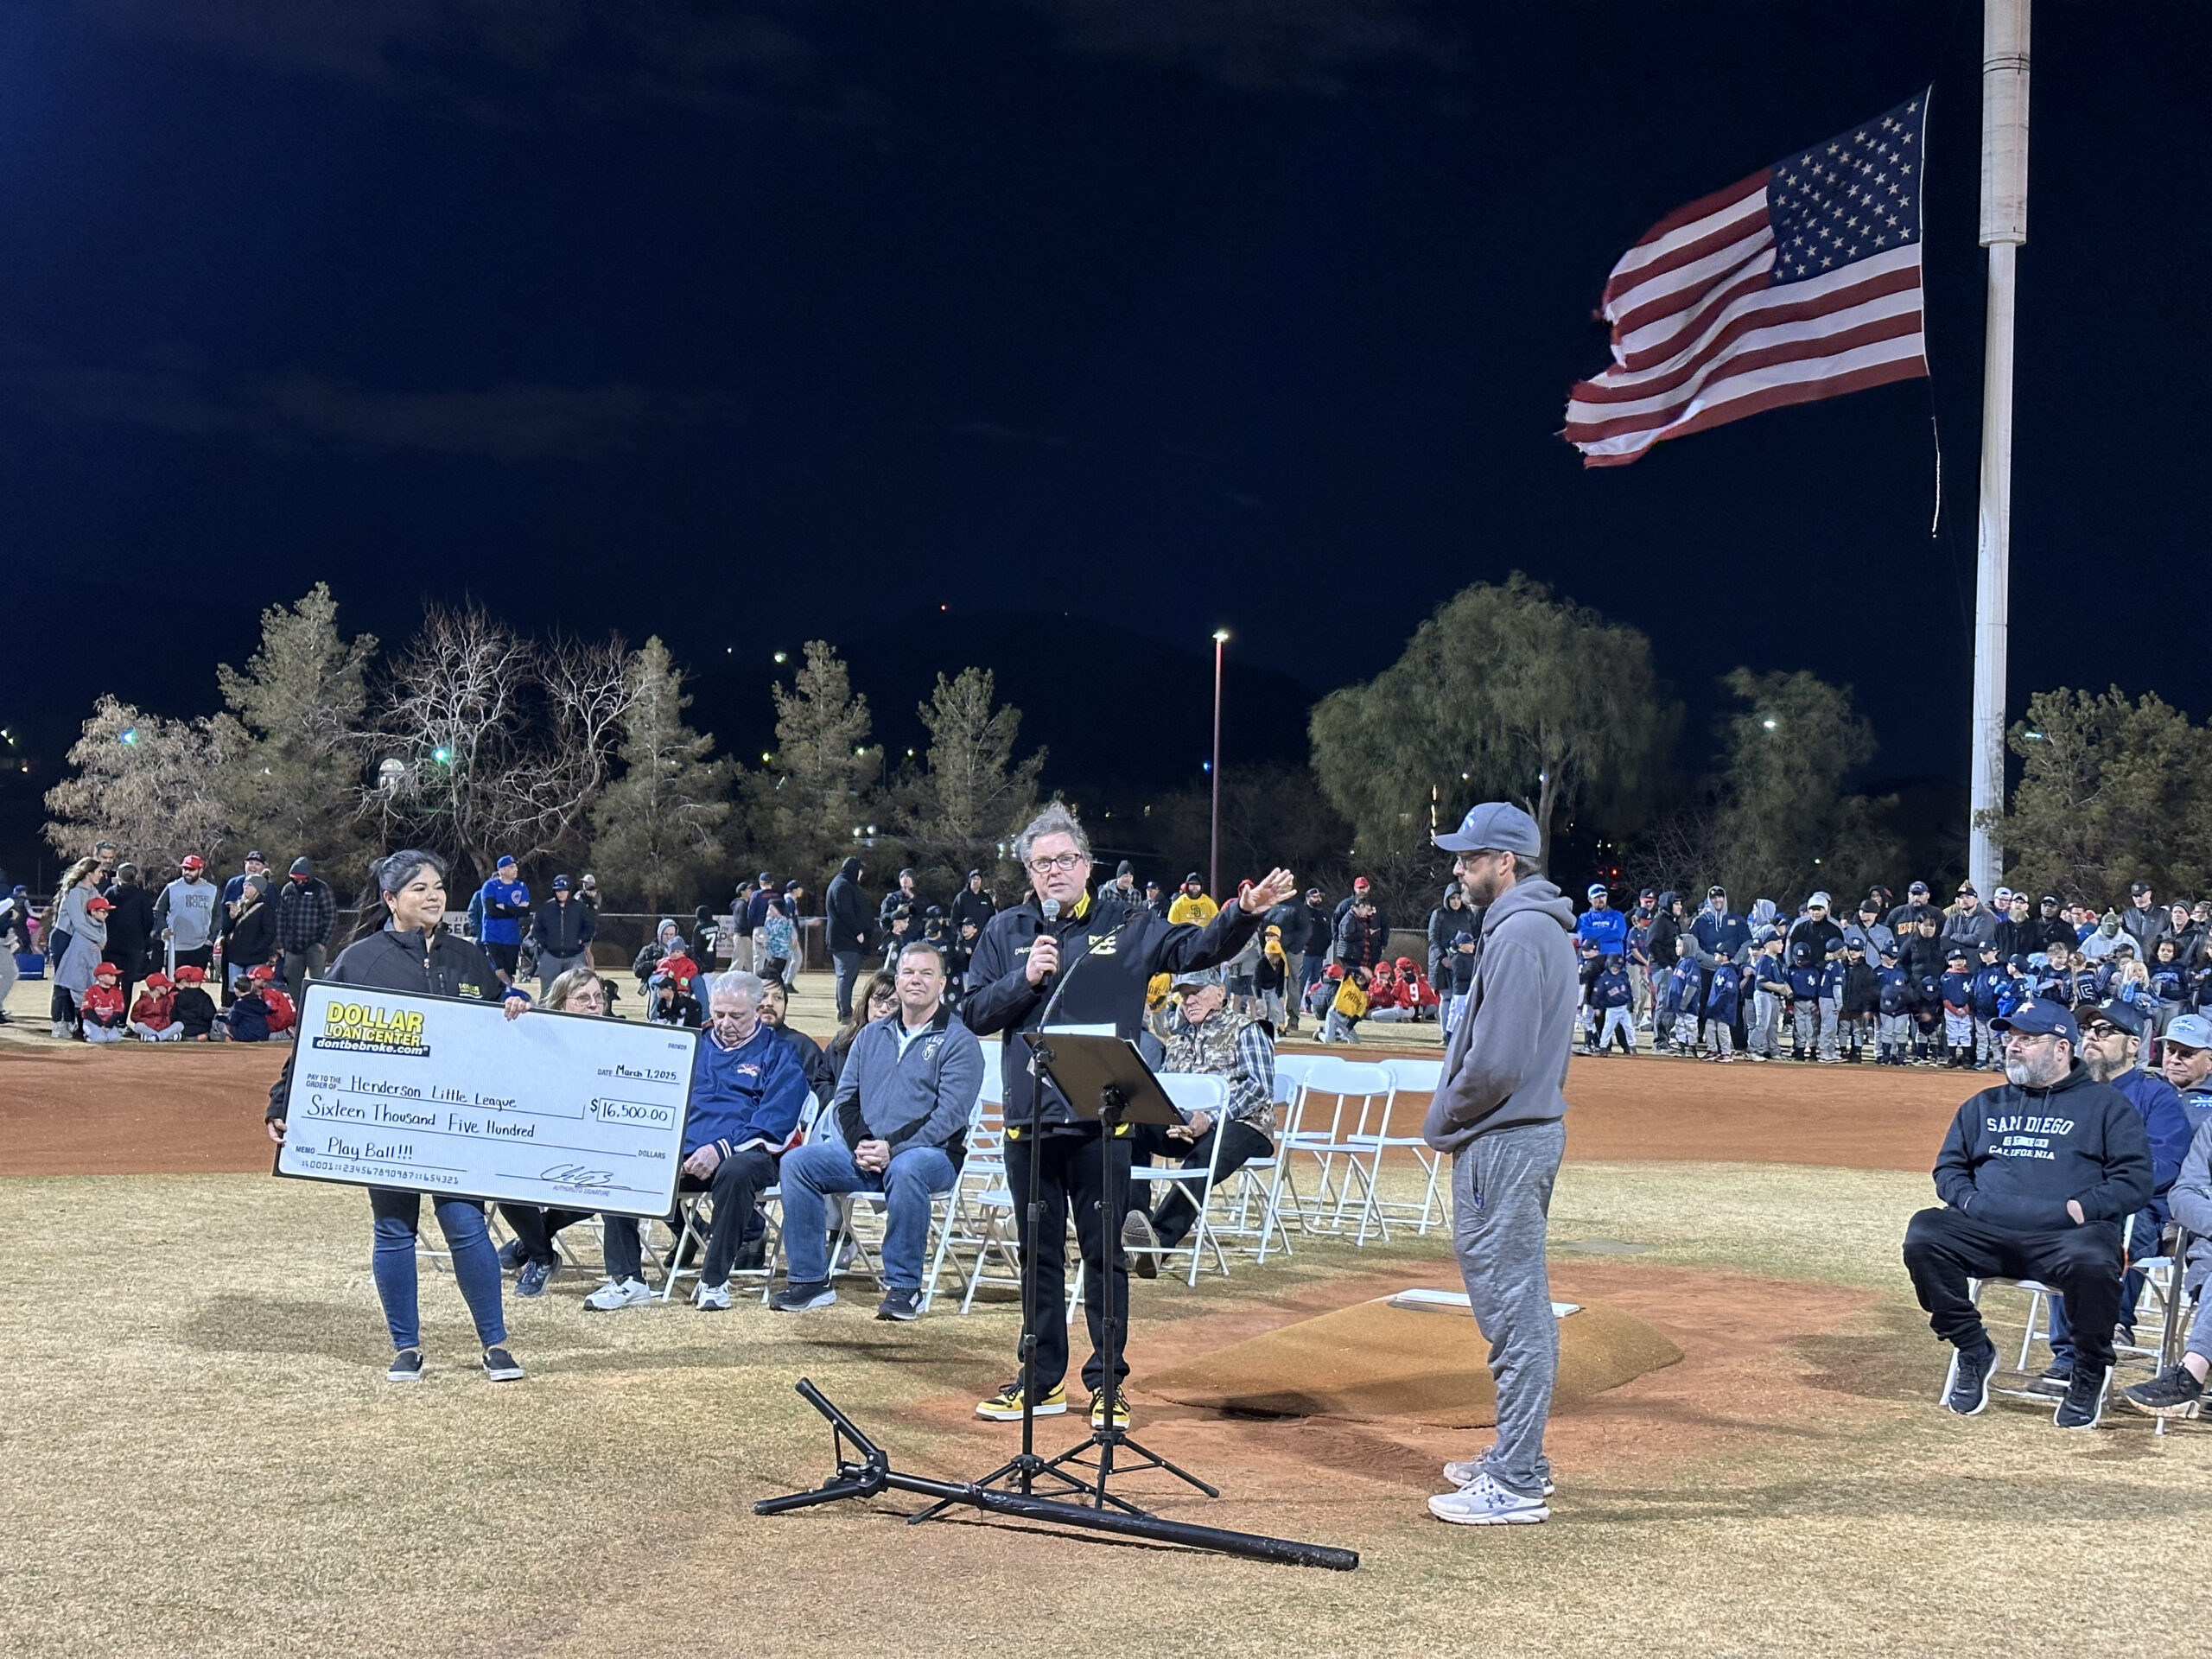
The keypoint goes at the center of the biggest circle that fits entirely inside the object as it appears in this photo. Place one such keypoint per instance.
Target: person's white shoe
(1462, 1473)
(630, 1292)
(1482, 1503)
(711, 1298)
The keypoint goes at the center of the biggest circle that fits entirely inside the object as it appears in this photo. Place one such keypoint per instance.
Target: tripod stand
(1109, 1071)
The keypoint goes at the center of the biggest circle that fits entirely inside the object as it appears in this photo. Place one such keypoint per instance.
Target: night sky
(743, 323)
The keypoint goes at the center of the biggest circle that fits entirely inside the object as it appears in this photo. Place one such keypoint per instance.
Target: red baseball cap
(189, 974)
(263, 972)
(192, 862)
(98, 903)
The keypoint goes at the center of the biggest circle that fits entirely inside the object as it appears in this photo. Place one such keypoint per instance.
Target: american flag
(1801, 282)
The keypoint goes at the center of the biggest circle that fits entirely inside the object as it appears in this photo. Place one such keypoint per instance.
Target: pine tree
(973, 794)
(818, 790)
(657, 827)
(295, 788)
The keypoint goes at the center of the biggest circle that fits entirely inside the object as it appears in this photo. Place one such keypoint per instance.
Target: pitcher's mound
(1429, 1366)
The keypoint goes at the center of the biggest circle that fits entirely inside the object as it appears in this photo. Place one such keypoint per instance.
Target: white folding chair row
(1343, 1141)
(1191, 1091)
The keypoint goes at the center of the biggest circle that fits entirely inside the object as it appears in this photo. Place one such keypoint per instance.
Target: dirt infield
(139, 1111)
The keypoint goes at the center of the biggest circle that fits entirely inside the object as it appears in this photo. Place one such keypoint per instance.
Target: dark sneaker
(512, 1254)
(797, 1299)
(406, 1366)
(1140, 1243)
(2084, 1404)
(2172, 1393)
(904, 1306)
(2054, 1381)
(1969, 1392)
(500, 1366)
(534, 1278)
(1005, 1406)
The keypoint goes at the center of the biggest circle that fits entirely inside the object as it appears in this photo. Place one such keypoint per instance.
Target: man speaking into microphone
(1086, 963)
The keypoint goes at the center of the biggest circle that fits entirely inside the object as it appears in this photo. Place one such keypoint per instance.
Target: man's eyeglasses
(2100, 1030)
(1058, 861)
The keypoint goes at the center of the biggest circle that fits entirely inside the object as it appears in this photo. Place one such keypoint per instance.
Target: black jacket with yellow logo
(392, 961)
(1108, 954)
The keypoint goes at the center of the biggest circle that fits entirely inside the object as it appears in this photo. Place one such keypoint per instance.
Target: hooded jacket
(1507, 1062)
(916, 1091)
(1665, 928)
(2014, 1155)
(2104, 938)
(846, 907)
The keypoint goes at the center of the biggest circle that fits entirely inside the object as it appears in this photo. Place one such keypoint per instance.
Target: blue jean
(475, 1263)
(822, 1167)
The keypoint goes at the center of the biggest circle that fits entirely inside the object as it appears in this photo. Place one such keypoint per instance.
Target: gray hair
(396, 871)
(1054, 820)
(731, 983)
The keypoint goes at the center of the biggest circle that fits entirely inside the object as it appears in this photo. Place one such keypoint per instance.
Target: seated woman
(531, 1250)
(1202, 1036)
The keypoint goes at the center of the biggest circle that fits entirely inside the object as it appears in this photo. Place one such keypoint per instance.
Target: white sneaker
(61, 1030)
(1482, 1503)
(1462, 1474)
(630, 1292)
(711, 1298)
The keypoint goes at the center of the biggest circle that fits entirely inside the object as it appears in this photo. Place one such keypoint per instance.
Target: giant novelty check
(444, 1095)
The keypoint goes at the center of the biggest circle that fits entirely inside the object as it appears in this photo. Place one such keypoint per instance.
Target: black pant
(202, 958)
(535, 1229)
(1178, 1213)
(1943, 1249)
(1068, 1176)
(736, 1184)
(504, 957)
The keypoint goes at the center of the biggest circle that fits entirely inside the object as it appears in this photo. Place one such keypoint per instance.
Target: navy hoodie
(2014, 1156)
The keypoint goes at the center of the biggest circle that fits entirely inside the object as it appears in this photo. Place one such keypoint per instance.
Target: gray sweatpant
(1501, 1198)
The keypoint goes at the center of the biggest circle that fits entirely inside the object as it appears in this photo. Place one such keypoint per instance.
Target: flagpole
(2004, 228)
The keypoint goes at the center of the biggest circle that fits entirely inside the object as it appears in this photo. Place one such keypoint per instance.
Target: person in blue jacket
(1722, 998)
(1770, 994)
(507, 907)
(1611, 995)
(2112, 1048)
(1893, 1021)
(1687, 984)
(1805, 971)
(748, 1088)
(1989, 989)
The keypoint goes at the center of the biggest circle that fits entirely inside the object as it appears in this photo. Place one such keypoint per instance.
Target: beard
(2033, 1074)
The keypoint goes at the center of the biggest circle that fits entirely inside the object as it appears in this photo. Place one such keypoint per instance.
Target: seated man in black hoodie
(2039, 1177)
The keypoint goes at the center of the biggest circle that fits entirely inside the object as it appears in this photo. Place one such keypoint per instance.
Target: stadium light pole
(2004, 229)
(1213, 853)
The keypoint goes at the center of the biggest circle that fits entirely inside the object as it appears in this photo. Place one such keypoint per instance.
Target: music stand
(1104, 1078)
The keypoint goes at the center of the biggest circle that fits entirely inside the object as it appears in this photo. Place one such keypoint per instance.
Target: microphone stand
(1024, 1466)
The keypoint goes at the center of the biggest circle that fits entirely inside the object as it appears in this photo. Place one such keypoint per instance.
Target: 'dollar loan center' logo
(363, 1027)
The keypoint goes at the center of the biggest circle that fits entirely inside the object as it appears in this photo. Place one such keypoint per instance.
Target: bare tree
(151, 784)
(494, 745)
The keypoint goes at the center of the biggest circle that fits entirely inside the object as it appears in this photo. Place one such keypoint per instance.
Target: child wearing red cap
(153, 1016)
(673, 993)
(194, 1009)
(101, 1007)
(262, 1010)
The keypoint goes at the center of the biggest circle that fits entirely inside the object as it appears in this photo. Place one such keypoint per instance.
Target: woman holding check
(411, 954)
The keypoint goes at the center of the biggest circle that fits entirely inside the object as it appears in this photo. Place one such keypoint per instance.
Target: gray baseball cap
(2190, 1031)
(1197, 978)
(1494, 827)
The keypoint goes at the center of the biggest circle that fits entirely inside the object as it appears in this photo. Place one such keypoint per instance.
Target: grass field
(201, 1458)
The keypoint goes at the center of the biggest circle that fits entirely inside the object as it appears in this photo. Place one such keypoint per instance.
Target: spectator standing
(1318, 934)
(1908, 915)
(2143, 921)
(1123, 889)
(185, 914)
(1499, 1113)
(15, 935)
(250, 938)
(1969, 926)
(756, 917)
(1871, 931)
(564, 929)
(1724, 939)
(506, 904)
(1600, 931)
(1360, 936)
(1668, 919)
(1157, 899)
(130, 929)
(234, 889)
(1191, 906)
(904, 899)
(847, 913)
(1817, 925)
(974, 907)
(1446, 923)
(306, 915)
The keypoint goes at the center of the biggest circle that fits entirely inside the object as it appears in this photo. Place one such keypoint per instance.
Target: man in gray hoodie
(1499, 1112)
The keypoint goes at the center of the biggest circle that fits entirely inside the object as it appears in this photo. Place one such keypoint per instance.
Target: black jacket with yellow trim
(1108, 954)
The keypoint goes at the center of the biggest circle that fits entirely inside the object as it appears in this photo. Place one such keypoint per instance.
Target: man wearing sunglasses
(2038, 1178)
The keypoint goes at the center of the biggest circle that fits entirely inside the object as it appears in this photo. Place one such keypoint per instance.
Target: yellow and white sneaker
(1005, 1406)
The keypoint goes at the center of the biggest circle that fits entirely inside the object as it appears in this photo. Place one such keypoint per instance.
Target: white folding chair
(1345, 1153)
(1191, 1091)
(696, 1212)
(1414, 1077)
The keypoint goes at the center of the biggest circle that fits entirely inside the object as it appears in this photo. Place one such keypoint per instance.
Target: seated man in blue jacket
(2038, 1178)
(747, 1086)
(903, 1105)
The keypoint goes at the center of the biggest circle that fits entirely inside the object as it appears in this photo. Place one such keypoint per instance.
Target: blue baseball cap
(1494, 827)
(559, 884)
(506, 861)
(2039, 1017)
